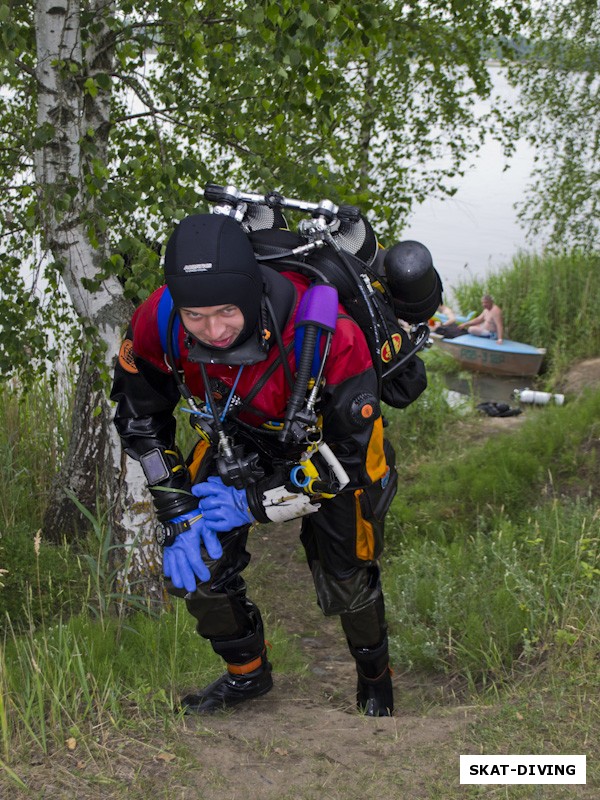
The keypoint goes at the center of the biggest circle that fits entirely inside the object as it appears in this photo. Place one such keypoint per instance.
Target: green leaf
(91, 87)
(103, 81)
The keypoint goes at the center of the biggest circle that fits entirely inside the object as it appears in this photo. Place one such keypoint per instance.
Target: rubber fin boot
(375, 697)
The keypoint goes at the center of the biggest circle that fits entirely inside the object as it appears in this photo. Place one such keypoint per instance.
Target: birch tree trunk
(69, 173)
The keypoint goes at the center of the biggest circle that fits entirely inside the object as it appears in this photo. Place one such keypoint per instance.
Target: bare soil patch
(583, 375)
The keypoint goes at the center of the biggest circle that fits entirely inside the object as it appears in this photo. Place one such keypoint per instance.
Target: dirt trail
(304, 739)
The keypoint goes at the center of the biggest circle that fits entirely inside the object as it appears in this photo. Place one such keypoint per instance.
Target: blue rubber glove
(223, 507)
(182, 560)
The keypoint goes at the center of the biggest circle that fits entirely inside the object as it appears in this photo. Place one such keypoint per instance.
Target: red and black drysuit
(342, 540)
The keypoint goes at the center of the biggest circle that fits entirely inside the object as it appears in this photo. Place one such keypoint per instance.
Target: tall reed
(33, 436)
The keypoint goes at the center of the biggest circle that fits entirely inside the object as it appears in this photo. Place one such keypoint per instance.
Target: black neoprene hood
(209, 261)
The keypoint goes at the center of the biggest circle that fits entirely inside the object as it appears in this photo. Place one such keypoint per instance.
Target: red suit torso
(349, 357)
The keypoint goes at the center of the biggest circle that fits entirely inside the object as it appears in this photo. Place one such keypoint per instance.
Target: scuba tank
(538, 398)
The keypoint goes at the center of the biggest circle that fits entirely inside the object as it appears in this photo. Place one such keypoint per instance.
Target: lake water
(476, 231)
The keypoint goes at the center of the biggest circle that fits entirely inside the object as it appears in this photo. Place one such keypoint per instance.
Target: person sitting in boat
(442, 317)
(489, 323)
(445, 323)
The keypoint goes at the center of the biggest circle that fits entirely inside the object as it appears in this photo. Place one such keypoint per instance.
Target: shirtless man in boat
(489, 323)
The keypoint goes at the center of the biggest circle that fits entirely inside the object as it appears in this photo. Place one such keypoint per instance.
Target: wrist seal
(166, 532)
(168, 482)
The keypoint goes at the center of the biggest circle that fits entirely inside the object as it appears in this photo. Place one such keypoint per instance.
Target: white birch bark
(60, 166)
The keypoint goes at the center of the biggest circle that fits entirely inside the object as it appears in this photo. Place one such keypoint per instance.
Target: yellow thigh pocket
(365, 535)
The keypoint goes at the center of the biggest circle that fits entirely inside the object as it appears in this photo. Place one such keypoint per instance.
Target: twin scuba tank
(338, 246)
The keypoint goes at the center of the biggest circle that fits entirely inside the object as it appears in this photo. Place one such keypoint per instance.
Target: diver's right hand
(182, 561)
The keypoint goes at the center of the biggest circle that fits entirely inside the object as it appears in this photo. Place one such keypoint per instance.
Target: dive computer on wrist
(166, 532)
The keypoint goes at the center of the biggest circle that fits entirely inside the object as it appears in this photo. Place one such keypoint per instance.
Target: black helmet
(413, 281)
(209, 261)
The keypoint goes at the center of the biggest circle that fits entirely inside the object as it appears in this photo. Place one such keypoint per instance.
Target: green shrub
(511, 472)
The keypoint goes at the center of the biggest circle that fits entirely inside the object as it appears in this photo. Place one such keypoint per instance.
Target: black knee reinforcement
(222, 615)
(244, 648)
(365, 628)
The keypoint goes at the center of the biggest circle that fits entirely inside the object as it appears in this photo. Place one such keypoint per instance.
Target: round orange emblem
(386, 355)
(126, 359)
(367, 411)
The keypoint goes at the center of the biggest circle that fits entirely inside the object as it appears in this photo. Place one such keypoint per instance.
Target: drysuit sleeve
(146, 397)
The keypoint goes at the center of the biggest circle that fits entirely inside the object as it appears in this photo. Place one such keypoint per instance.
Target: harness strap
(245, 404)
(165, 306)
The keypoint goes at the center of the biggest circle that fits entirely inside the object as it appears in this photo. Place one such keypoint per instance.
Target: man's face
(486, 302)
(215, 326)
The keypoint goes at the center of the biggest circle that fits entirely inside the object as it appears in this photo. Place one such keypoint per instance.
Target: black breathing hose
(184, 391)
(302, 378)
(367, 302)
(295, 266)
(284, 362)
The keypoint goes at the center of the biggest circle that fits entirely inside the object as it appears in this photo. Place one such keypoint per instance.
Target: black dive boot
(248, 675)
(231, 689)
(374, 693)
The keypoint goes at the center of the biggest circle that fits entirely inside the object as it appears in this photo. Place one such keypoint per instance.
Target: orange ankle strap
(386, 671)
(243, 669)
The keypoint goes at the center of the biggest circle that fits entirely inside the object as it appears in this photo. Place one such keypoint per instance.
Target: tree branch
(29, 70)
